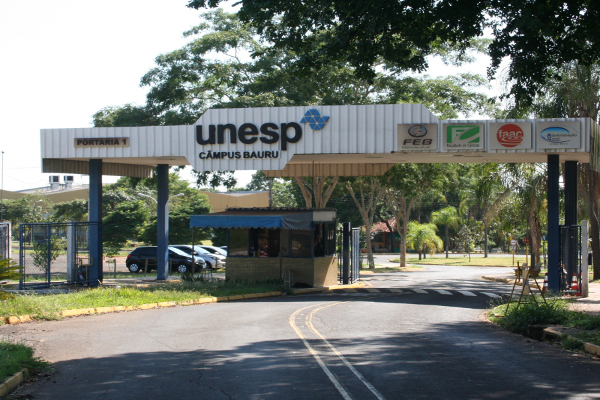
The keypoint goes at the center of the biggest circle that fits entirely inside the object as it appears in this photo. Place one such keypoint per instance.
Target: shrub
(551, 312)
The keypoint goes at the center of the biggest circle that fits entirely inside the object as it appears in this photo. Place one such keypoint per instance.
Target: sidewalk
(589, 305)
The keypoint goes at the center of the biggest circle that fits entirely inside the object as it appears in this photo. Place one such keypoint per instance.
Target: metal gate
(4, 240)
(54, 254)
(355, 258)
(570, 259)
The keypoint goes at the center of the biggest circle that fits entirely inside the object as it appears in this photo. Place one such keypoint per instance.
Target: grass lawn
(476, 260)
(14, 357)
(379, 270)
(47, 306)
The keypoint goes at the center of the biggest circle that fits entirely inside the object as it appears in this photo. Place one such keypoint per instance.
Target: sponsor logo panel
(463, 136)
(558, 135)
(417, 137)
(510, 135)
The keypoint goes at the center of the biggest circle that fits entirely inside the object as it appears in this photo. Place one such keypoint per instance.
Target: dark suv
(180, 262)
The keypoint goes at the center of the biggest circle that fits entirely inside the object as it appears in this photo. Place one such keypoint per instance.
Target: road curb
(12, 382)
(506, 280)
(13, 320)
(356, 285)
(559, 331)
(494, 279)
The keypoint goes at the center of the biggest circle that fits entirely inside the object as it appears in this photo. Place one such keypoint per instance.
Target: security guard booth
(297, 245)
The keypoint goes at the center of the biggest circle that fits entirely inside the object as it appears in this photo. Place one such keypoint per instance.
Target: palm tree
(449, 218)
(486, 196)
(422, 237)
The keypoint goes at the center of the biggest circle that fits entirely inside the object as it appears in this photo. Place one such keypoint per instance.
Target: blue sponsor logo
(558, 134)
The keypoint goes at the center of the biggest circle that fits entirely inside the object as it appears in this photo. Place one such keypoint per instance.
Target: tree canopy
(537, 36)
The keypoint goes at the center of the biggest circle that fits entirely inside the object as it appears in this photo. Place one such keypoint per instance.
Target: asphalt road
(410, 336)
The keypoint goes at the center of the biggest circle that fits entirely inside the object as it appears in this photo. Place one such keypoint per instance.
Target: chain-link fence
(54, 253)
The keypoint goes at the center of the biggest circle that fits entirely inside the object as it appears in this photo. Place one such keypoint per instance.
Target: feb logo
(417, 131)
(510, 135)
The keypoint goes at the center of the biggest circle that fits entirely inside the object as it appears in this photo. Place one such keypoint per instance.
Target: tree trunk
(305, 192)
(391, 235)
(366, 207)
(404, 234)
(403, 247)
(485, 242)
(447, 244)
(370, 259)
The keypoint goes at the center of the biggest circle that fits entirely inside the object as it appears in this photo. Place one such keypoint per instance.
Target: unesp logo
(314, 119)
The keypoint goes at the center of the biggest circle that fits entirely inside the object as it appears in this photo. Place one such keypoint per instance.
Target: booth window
(301, 243)
(324, 240)
(264, 242)
(329, 239)
(238, 242)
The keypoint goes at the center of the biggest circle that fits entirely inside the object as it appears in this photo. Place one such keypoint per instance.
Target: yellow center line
(337, 353)
(314, 353)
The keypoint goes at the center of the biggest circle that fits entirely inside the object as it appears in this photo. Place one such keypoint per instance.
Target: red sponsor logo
(510, 135)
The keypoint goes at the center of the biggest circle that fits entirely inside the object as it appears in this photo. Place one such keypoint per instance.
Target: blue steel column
(571, 193)
(95, 215)
(553, 221)
(162, 239)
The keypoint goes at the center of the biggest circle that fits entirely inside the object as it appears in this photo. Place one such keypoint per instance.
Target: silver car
(214, 250)
(213, 261)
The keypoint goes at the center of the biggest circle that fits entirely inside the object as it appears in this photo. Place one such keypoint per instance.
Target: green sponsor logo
(463, 134)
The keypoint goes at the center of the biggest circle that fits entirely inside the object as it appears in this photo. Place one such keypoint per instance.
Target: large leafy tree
(123, 223)
(179, 220)
(404, 185)
(214, 70)
(528, 183)
(74, 210)
(367, 193)
(576, 93)
(485, 195)
(537, 36)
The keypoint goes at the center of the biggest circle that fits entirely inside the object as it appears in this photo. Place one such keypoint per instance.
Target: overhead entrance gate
(334, 141)
(55, 253)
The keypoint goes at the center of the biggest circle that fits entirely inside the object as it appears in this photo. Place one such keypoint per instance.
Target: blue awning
(283, 220)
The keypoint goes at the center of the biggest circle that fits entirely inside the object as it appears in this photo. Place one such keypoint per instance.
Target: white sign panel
(510, 135)
(558, 135)
(463, 136)
(417, 137)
